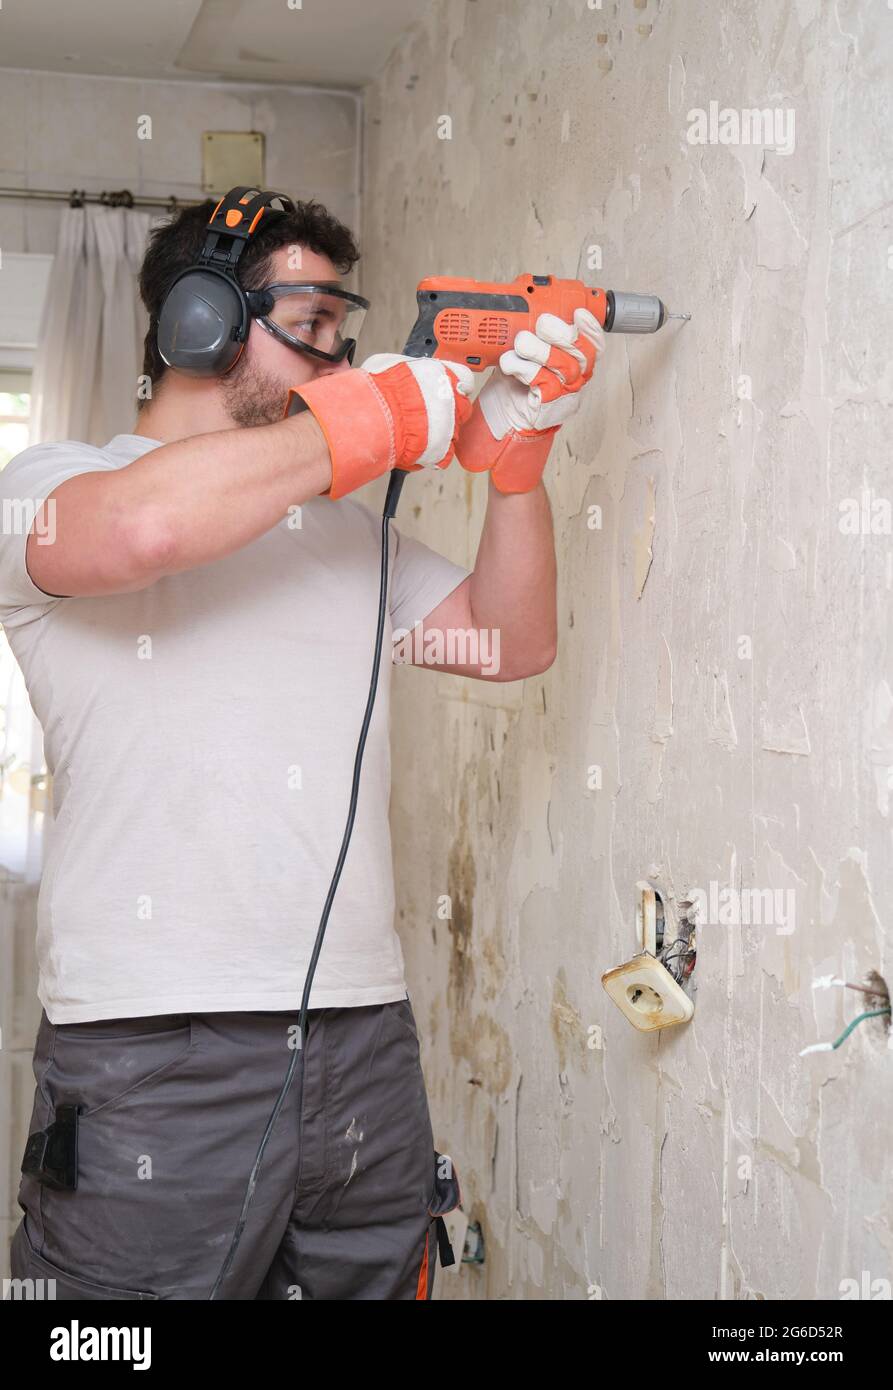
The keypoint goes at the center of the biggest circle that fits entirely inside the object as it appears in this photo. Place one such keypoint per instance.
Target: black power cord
(395, 486)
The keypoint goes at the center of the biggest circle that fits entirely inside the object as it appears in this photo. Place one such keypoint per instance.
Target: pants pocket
(99, 1065)
(33, 1276)
(402, 1011)
(447, 1195)
(128, 1079)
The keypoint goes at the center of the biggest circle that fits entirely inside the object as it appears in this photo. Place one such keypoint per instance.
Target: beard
(251, 396)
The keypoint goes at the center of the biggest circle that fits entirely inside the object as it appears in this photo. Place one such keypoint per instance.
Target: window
(15, 414)
(22, 774)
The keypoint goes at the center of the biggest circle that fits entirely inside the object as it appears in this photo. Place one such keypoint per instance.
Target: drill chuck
(634, 313)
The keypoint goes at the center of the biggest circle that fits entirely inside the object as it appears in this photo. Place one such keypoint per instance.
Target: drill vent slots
(454, 327)
(494, 330)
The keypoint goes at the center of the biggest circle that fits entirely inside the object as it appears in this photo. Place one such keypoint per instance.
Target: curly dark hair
(177, 244)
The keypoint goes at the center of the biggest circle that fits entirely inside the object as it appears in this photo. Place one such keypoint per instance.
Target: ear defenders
(206, 314)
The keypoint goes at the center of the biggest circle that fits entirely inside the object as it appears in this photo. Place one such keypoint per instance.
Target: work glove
(529, 396)
(392, 412)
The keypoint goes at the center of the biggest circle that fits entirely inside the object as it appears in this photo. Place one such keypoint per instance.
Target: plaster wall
(64, 131)
(720, 711)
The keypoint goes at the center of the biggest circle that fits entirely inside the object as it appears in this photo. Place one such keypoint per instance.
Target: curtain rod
(123, 198)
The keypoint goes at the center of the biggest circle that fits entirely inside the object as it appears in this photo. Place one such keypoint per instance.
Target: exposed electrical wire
(830, 1047)
(679, 955)
(826, 981)
(683, 954)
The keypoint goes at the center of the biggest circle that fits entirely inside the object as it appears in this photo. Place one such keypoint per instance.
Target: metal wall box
(232, 157)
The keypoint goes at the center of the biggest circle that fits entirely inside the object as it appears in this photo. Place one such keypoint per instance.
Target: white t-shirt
(201, 735)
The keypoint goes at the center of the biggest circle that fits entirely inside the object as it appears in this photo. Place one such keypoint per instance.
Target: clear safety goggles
(317, 318)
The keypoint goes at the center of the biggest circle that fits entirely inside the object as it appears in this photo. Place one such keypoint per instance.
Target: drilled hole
(878, 999)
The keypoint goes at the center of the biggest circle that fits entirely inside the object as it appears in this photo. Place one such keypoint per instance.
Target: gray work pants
(172, 1109)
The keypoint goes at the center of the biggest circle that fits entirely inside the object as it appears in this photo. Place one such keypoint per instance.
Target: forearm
(513, 587)
(509, 435)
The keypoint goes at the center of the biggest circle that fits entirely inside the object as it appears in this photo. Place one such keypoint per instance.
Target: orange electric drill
(475, 322)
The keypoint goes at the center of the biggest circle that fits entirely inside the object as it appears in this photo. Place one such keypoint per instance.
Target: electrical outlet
(646, 993)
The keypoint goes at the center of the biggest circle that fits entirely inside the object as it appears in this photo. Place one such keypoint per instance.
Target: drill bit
(677, 316)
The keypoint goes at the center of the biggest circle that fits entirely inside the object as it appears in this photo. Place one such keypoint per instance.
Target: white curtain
(23, 778)
(90, 345)
(89, 357)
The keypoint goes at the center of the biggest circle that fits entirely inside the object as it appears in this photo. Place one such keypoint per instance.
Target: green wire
(873, 1013)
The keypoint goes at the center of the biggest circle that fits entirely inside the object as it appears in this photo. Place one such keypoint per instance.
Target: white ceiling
(329, 43)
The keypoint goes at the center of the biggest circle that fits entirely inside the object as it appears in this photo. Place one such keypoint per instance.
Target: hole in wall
(879, 998)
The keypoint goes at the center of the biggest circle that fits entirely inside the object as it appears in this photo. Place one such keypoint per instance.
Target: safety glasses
(317, 318)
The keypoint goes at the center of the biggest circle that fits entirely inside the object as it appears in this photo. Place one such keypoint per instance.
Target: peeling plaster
(724, 653)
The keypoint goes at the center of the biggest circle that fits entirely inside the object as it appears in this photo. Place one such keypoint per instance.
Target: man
(196, 641)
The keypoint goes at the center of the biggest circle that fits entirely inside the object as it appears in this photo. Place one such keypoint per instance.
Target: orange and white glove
(392, 412)
(535, 388)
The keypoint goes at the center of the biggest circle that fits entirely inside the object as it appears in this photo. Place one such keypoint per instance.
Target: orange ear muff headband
(205, 317)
